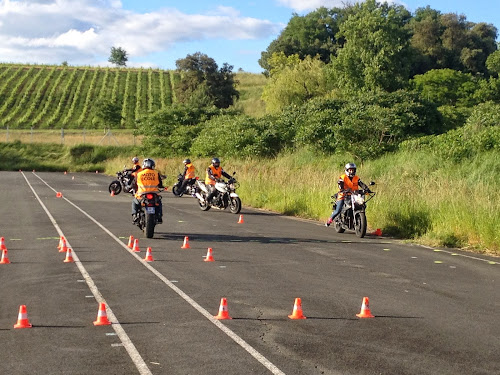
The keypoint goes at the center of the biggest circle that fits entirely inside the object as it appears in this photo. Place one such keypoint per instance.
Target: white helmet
(135, 160)
(350, 166)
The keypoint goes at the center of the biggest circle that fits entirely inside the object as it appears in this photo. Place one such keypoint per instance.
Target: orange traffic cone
(297, 310)
(65, 172)
(64, 246)
(130, 242)
(185, 245)
(112, 193)
(378, 232)
(58, 194)
(102, 318)
(69, 256)
(60, 242)
(209, 257)
(223, 313)
(22, 319)
(135, 248)
(240, 220)
(148, 257)
(365, 309)
(5, 257)
(2, 244)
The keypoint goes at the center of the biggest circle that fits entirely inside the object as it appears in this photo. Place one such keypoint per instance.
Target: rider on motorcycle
(213, 175)
(347, 182)
(148, 180)
(189, 176)
(136, 168)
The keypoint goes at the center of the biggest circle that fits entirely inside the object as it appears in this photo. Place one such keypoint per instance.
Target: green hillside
(45, 97)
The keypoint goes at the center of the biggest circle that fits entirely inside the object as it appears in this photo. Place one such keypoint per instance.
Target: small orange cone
(60, 242)
(2, 244)
(5, 257)
(69, 256)
(223, 313)
(58, 194)
(22, 319)
(185, 245)
(209, 257)
(135, 248)
(130, 242)
(240, 220)
(112, 193)
(365, 309)
(65, 172)
(378, 232)
(64, 246)
(297, 310)
(148, 257)
(102, 318)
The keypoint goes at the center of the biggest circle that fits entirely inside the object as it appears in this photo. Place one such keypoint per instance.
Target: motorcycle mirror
(234, 173)
(372, 183)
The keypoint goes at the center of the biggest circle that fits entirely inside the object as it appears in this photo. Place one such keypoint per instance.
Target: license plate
(150, 210)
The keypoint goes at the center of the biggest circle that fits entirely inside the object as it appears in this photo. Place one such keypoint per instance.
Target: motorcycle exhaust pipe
(198, 195)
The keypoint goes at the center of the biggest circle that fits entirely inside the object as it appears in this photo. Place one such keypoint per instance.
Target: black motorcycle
(190, 188)
(225, 197)
(353, 215)
(149, 213)
(124, 182)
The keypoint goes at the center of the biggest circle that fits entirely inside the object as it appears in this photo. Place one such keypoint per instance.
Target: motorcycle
(226, 196)
(124, 182)
(149, 214)
(189, 189)
(353, 215)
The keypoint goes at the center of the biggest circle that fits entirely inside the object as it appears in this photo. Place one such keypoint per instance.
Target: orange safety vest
(348, 184)
(147, 182)
(216, 172)
(189, 171)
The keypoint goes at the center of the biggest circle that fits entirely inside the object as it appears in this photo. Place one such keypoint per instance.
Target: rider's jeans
(338, 209)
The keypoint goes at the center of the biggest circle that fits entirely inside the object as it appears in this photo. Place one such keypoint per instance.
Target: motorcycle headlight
(359, 199)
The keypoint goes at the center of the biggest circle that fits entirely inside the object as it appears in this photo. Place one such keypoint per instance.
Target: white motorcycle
(225, 197)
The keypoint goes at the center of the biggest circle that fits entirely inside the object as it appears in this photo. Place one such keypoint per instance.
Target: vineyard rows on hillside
(52, 97)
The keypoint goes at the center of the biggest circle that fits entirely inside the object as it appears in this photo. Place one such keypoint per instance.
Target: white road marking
(125, 340)
(253, 352)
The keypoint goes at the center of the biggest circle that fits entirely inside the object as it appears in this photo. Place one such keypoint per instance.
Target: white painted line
(253, 352)
(126, 342)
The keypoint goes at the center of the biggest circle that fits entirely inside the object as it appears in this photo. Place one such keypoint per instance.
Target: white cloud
(303, 5)
(83, 31)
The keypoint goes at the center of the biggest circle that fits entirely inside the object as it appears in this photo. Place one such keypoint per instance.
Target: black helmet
(186, 161)
(148, 163)
(216, 162)
(349, 166)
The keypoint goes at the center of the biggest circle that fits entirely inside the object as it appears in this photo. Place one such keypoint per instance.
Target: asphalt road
(436, 312)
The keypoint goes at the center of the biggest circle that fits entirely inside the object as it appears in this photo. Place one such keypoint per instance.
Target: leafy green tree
(445, 86)
(203, 83)
(376, 52)
(493, 62)
(118, 56)
(313, 34)
(295, 83)
(109, 113)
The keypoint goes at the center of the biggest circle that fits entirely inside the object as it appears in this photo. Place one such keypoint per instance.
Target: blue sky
(155, 33)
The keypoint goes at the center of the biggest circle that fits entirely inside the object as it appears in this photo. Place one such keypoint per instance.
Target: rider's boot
(328, 222)
(135, 218)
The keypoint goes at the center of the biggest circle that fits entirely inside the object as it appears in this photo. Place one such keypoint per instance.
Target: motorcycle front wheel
(360, 224)
(149, 227)
(176, 189)
(115, 187)
(235, 205)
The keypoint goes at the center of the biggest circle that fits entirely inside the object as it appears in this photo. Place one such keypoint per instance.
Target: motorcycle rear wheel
(360, 224)
(338, 227)
(115, 187)
(235, 205)
(204, 205)
(149, 227)
(176, 189)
